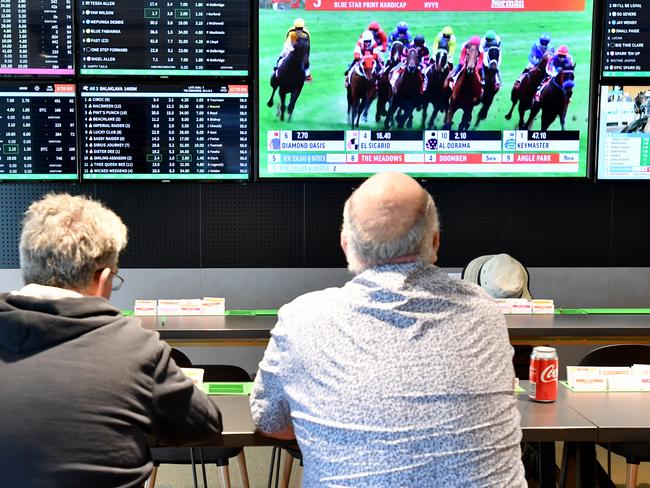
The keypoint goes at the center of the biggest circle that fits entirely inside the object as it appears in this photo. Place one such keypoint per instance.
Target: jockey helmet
(299, 23)
(476, 40)
(447, 31)
(544, 39)
(374, 26)
(367, 36)
(563, 51)
(490, 35)
(402, 27)
(419, 40)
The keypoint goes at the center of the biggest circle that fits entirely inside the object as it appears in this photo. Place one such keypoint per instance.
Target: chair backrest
(181, 360)
(224, 372)
(618, 355)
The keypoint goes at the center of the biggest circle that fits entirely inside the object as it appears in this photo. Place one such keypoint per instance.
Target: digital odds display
(624, 133)
(470, 88)
(36, 37)
(626, 43)
(170, 131)
(164, 38)
(37, 131)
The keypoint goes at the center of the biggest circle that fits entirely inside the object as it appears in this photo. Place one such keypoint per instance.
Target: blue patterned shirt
(401, 378)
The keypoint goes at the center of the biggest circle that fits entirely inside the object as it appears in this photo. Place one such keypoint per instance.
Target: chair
(217, 455)
(293, 452)
(623, 355)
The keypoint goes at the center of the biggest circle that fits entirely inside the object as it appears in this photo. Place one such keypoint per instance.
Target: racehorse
(467, 91)
(524, 91)
(407, 92)
(290, 77)
(384, 88)
(361, 89)
(491, 88)
(437, 93)
(554, 99)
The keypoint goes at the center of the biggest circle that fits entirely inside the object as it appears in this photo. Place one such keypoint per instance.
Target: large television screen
(164, 131)
(37, 131)
(164, 38)
(36, 37)
(624, 135)
(320, 133)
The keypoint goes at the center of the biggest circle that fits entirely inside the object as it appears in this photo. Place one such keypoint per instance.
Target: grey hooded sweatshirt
(80, 387)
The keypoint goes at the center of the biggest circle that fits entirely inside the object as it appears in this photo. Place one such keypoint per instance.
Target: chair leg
(151, 482)
(241, 462)
(286, 470)
(631, 475)
(225, 476)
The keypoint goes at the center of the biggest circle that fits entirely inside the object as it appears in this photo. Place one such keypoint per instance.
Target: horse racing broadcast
(624, 135)
(432, 88)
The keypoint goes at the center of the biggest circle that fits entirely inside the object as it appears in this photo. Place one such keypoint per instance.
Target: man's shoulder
(311, 303)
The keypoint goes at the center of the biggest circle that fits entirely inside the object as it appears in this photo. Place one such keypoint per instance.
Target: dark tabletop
(523, 329)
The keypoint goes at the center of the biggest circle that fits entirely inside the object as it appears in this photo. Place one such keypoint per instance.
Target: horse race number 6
(543, 374)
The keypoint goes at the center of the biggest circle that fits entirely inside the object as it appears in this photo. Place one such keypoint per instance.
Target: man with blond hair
(402, 377)
(81, 384)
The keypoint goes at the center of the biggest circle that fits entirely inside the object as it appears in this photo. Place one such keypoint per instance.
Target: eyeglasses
(117, 284)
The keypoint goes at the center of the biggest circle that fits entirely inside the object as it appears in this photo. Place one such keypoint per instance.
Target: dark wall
(296, 224)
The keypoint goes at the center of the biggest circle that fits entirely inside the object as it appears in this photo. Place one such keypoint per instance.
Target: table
(231, 331)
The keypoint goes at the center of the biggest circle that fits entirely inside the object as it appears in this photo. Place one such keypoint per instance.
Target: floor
(258, 459)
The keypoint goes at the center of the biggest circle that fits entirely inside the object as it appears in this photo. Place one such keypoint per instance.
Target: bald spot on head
(387, 205)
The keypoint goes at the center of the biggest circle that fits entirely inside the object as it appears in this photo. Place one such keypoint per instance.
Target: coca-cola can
(543, 374)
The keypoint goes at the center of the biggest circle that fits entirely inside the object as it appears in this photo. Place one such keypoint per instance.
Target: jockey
(365, 45)
(446, 33)
(380, 36)
(538, 50)
(295, 32)
(423, 51)
(560, 61)
(472, 41)
(492, 40)
(401, 33)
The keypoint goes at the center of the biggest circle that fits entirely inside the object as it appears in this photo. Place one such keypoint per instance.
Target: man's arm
(182, 415)
(269, 404)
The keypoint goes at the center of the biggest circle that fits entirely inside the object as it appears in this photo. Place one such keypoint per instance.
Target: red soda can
(543, 374)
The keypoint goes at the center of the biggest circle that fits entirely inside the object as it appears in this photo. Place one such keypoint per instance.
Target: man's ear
(435, 246)
(344, 243)
(104, 284)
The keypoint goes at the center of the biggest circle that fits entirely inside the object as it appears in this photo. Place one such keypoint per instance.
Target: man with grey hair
(402, 377)
(81, 384)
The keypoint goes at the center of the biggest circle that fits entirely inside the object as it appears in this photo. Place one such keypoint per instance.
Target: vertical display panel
(37, 131)
(36, 37)
(624, 133)
(322, 138)
(168, 131)
(164, 37)
(626, 43)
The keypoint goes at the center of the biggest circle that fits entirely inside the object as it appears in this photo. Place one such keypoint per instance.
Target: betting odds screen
(624, 135)
(37, 131)
(164, 37)
(626, 45)
(36, 37)
(316, 133)
(164, 131)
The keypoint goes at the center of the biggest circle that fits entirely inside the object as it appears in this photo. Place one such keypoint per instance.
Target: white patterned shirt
(401, 378)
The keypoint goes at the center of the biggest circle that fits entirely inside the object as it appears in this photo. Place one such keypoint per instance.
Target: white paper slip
(195, 374)
(589, 383)
(504, 305)
(623, 382)
(191, 306)
(214, 306)
(641, 369)
(543, 306)
(584, 371)
(145, 307)
(614, 370)
(169, 307)
(521, 308)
